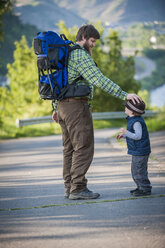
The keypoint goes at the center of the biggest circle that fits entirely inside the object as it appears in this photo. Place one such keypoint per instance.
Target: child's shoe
(134, 190)
(141, 193)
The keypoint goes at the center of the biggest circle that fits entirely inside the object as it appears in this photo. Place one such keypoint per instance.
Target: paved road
(31, 176)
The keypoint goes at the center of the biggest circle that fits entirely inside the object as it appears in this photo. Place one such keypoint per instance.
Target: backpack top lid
(50, 38)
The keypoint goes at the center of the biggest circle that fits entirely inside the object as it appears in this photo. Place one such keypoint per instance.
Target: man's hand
(134, 98)
(55, 117)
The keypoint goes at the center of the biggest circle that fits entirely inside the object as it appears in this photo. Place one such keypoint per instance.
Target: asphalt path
(35, 214)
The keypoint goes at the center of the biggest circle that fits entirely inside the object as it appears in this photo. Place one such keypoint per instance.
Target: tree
(120, 70)
(22, 98)
(23, 77)
(70, 33)
(5, 106)
(112, 64)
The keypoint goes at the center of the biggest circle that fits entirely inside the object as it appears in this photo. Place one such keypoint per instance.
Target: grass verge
(9, 129)
(82, 203)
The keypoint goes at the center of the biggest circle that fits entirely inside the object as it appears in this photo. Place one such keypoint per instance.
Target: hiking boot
(67, 193)
(141, 193)
(134, 190)
(84, 195)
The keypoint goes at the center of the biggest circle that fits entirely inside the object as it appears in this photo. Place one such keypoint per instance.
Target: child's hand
(122, 131)
(119, 136)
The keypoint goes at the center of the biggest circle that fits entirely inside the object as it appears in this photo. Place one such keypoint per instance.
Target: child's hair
(136, 114)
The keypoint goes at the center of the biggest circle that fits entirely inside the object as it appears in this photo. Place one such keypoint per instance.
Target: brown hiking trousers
(76, 122)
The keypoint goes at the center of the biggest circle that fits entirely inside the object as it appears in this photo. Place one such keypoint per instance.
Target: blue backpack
(52, 53)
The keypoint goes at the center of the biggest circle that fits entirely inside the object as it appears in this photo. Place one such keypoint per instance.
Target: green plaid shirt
(80, 63)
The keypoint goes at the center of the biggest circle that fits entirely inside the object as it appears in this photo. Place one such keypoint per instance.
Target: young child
(138, 144)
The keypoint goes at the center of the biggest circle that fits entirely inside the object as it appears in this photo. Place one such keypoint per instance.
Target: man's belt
(74, 100)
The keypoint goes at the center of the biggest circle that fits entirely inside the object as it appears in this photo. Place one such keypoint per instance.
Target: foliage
(10, 131)
(157, 123)
(23, 77)
(70, 33)
(4, 105)
(112, 64)
(138, 35)
(22, 100)
(22, 97)
(120, 70)
(144, 95)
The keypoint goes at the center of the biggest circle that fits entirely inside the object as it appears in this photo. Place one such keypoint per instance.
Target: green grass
(99, 124)
(10, 130)
(156, 124)
(83, 203)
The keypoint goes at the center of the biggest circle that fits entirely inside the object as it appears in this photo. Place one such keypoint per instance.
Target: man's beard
(88, 48)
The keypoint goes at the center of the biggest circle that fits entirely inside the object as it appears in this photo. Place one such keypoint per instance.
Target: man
(75, 118)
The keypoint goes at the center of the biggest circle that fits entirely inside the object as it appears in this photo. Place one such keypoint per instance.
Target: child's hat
(137, 107)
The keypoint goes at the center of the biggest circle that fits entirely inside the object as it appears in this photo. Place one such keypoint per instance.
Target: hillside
(45, 14)
(144, 11)
(42, 15)
(17, 29)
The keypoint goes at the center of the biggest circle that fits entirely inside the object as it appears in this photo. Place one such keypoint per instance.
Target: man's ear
(83, 39)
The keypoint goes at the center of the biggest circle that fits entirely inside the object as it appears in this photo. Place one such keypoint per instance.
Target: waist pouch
(73, 90)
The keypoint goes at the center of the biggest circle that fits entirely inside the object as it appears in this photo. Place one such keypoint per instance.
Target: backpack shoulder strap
(72, 48)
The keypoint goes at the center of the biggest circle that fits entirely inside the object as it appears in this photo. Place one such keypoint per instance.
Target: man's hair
(87, 31)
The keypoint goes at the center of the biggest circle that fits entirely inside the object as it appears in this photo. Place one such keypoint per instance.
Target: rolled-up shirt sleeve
(91, 73)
